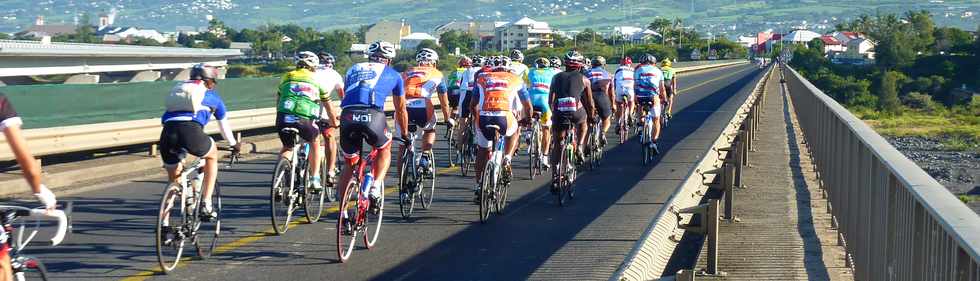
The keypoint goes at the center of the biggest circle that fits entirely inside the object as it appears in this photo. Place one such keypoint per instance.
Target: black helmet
(203, 72)
(326, 59)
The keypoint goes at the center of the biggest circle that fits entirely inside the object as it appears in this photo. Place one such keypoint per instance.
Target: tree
(888, 92)
(816, 44)
(951, 39)
(457, 39)
(4, 35)
(893, 52)
(922, 28)
(588, 35)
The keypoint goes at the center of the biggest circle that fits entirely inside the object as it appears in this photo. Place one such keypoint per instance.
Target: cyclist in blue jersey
(368, 85)
(188, 109)
(540, 80)
(649, 81)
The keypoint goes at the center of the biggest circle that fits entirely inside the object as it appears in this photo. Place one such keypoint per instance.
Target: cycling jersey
(370, 83)
(455, 80)
(624, 82)
(207, 103)
(330, 79)
(420, 83)
(300, 92)
(8, 116)
(540, 89)
(497, 93)
(568, 88)
(521, 70)
(668, 73)
(648, 80)
(600, 81)
(597, 74)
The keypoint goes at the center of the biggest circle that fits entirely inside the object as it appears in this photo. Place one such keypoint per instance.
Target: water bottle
(424, 162)
(366, 185)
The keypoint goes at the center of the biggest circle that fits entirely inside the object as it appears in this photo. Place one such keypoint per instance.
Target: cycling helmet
(649, 58)
(307, 59)
(555, 62)
(326, 59)
(426, 55)
(666, 62)
(478, 60)
(574, 60)
(599, 61)
(465, 61)
(542, 63)
(501, 61)
(516, 55)
(588, 61)
(203, 72)
(626, 61)
(381, 49)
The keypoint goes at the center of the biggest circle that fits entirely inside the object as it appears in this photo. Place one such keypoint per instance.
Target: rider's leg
(380, 168)
(656, 128)
(581, 133)
(605, 125)
(558, 137)
(6, 271)
(331, 153)
(428, 139)
(210, 173)
(545, 140)
(316, 153)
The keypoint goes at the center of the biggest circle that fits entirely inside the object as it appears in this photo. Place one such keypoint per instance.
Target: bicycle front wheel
(427, 184)
(486, 193)
(407, 181)
(207, 234)
(346, 218)
(169, 233)
(372, 223)
(282, 196)
(313, 199)
(31, 269)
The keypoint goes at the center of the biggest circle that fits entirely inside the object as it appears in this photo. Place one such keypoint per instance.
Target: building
(800, 36)
(860, 48)
(388, 31)
(846, 36)
(244, 47)
(41, 29)
(831, 45)
(412, 41)
(635, 34)
(110, 34)
(523, 34)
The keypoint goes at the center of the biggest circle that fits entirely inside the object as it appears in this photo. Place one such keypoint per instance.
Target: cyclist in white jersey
(330, 76)
(623, 82)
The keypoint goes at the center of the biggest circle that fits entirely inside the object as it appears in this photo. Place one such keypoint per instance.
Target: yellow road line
(241, 242)
(717, 78)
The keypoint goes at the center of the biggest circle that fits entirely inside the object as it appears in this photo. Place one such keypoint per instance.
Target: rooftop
(56, 49)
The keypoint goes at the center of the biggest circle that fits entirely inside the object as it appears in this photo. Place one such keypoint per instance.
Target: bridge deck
(779, 236)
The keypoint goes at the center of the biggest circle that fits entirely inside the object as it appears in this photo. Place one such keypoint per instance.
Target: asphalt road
(534, 239)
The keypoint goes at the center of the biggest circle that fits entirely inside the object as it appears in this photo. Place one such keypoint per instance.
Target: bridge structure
(95, 63)
(761, 176)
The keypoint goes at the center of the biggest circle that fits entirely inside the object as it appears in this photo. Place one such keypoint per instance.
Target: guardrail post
(153, 150)
(707, 226)
(744, 147)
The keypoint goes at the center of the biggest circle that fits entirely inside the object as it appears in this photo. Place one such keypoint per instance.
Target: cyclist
(670, 85)
(420, 83)
(540, 77)
(10, 125)
(571, 98)
(602, 93)
(303, 94)
(466, 93)
(188, 109)
(623, 83)
(517, 65)
(331, 77)
(454, 82)
(368, 85)
(495, 94)
(649, 93)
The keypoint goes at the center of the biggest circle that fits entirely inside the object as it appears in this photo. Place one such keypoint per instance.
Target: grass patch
(958, 127)
(967, 198)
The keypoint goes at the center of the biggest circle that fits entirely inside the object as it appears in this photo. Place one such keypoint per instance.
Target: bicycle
(290, 179)
(563, 175)
(534, 145)
(493, 192)
(347, 228)
(412, 175)
(25, 267)
(646, 134)
(176, 226)
(467, 149)
(625, 126)
(594, 144)
(451, 141)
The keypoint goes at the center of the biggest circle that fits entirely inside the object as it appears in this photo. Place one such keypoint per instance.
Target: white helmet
(516, 55)
(381, 49)
(307, 59)
(426, 55)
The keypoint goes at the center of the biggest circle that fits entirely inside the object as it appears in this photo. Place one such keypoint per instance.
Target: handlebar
(59, 236)
(62, 216)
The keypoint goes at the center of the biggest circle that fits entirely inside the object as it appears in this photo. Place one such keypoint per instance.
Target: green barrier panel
(56, 105)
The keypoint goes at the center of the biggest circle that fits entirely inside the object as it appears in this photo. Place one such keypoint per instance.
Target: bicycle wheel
(282, 196)
(330, 192)
(466, 154)
(345, 217)
(371, 233)
(406, 183)
(208, 231)
(500, 190)
(451, 142)
(31, 269)
(534, 154)
(427, 186)
(486, 189)
(313, 199)
(562, 171)
(169, 230)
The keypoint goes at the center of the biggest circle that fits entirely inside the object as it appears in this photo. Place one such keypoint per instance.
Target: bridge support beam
(146, 76)
(183, 74)
(83, 79)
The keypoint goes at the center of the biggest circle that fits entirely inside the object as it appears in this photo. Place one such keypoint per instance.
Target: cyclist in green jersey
(670, 81)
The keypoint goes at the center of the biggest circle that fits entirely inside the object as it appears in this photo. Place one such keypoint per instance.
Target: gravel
(959, 171)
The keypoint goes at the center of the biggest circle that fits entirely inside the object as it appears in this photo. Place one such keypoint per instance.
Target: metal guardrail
(719, 168)
(38, 48)
(895, 221)
(68, 139)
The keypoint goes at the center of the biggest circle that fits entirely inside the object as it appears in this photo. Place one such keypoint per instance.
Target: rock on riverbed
(959, 171)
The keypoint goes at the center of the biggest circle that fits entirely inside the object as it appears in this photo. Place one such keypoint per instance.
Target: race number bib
(568, 104)
(416, 103)
(496, 101)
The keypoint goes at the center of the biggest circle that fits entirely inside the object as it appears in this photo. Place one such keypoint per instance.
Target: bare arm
(401, 114)
(444, 105)
(589, 106)
(611, 94)
(32, 171)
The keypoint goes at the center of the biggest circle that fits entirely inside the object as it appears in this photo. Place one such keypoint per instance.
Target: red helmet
(465, 61)
(626, 61)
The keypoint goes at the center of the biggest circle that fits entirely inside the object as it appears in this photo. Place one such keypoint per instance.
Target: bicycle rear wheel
(407, 181)
(451, 142)
(345, 221)
(501, 196)
(313, 199)
(169, 230)
(427, 184)
(32, 269)
(282, 196)
(486, 190)
(562, 170)
(208, 231)
(372, 232)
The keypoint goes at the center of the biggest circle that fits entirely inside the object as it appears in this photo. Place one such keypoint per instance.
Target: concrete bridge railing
(895, 221)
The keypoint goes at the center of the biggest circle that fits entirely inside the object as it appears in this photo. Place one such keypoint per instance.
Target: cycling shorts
(182, 137)
(564, 120)
(308, 129)
(367, 124)
(602, 105)
(656, 108)
(420, 117)
(670, 91)
(506, 122)
(623, 96)
(453, 98)
(464, 110)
